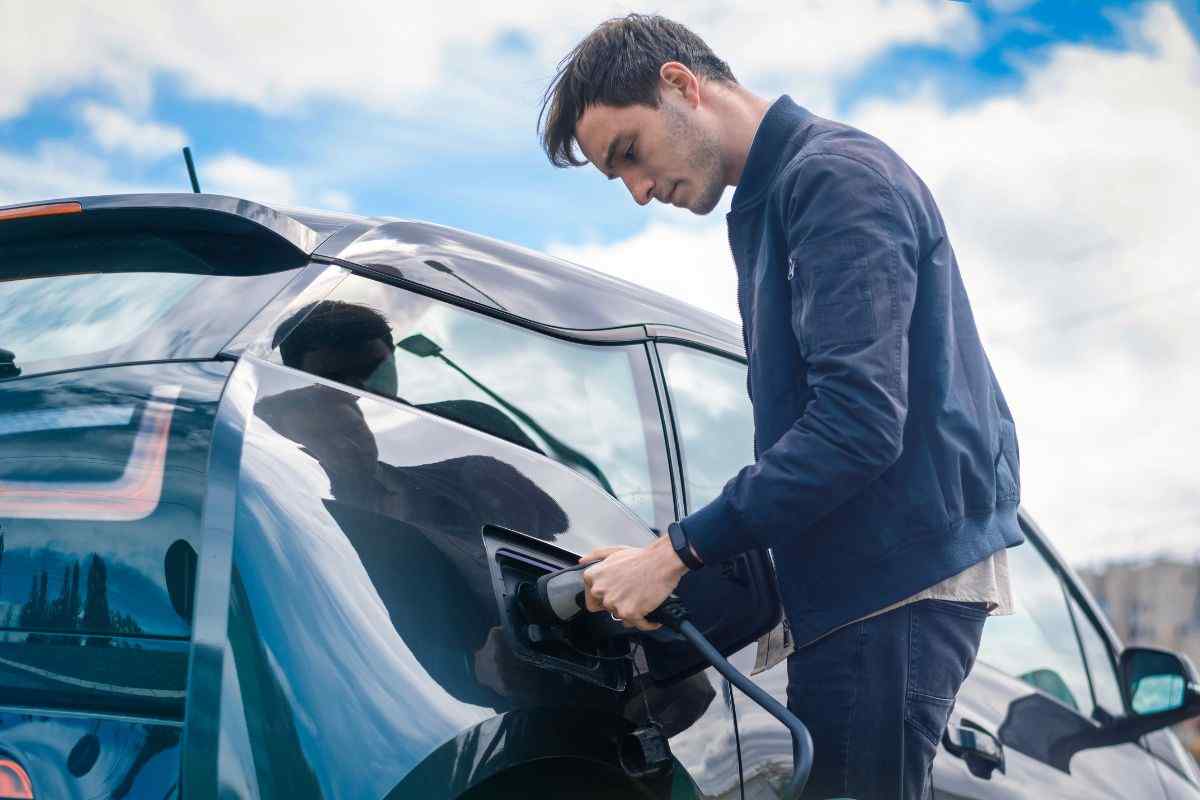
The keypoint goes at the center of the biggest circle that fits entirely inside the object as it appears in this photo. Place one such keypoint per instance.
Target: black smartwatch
(679, 543)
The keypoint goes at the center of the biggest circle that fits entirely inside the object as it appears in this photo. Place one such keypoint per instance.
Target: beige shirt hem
(983, 582)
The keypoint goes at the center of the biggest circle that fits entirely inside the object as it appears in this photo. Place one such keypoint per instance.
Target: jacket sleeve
(852, 270)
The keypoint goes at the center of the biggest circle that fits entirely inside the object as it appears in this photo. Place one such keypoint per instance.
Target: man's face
(370, 365)
(665, 153)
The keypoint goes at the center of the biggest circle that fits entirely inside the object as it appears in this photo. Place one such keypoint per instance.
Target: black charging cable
(674, 615)
(558, 597)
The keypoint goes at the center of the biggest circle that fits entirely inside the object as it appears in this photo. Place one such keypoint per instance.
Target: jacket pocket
(832, 298)
(837, 290)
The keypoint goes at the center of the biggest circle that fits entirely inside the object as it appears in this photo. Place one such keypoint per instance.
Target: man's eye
(629, 154)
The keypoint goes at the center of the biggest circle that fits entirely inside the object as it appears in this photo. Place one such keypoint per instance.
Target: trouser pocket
(943, 640)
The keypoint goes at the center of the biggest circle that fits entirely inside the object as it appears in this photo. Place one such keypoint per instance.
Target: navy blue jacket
(885, 454)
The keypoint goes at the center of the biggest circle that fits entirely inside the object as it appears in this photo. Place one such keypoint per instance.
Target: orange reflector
(14, 781)
(47, 210)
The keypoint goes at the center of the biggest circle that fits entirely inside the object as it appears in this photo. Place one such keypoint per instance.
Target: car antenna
(191, 166)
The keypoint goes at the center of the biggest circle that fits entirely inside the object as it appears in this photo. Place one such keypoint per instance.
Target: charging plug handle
(555, 597)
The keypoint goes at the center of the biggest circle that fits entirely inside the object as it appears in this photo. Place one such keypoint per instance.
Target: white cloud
(335, 199)
(58, 169)
(239, 176)
(804, 49)
(408, 58)
(448, 85)
(690, 262)
(61, 169)
(1071, 206)
(115, 130)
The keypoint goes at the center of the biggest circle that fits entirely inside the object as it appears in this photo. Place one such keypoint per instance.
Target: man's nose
(640, 188)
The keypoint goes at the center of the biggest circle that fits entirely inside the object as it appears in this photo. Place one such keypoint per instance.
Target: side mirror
(1158, 681)
(1160, 689)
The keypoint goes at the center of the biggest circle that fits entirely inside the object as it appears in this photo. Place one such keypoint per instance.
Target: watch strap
(681, 546)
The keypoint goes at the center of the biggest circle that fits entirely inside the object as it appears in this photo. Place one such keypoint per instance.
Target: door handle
(981, 750)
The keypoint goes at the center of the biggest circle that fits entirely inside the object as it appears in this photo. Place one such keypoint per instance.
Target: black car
(270, 479)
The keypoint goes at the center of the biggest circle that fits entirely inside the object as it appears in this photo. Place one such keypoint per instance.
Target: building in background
(1154, 604)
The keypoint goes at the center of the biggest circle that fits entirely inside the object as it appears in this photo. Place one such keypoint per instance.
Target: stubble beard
(703, 150)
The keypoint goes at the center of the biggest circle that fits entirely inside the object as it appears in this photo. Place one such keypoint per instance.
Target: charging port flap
(516, 558)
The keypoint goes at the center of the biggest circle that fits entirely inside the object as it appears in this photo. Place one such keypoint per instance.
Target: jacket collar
(768, 152)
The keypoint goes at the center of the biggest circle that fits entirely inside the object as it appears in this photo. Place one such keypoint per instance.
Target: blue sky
(1058, 138)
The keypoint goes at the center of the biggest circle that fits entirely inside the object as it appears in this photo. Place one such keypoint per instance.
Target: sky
(1058, 138)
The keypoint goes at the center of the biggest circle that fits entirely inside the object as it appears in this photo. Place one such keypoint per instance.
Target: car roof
(507, 277)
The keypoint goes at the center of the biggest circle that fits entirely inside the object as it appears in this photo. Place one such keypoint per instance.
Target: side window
(713, 418)
(590, 407)
(1037, 643)
(1099, 662)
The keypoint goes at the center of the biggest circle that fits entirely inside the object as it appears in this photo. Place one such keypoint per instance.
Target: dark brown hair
(617, 65)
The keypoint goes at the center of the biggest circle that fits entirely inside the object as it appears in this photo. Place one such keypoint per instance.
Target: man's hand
(630, 582)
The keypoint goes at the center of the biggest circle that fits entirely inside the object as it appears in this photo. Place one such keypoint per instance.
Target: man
(886, 472)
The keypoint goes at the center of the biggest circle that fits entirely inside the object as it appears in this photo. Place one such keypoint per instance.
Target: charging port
(516, 562)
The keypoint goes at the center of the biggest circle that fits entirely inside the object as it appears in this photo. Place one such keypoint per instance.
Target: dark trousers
(876, 696)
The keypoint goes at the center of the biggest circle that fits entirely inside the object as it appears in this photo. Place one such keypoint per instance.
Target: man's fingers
(592, 602)
(601, 553)
(640, 623)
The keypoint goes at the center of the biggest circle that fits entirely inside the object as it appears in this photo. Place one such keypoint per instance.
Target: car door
(714, 428)
(1043, 684)
(396, 449)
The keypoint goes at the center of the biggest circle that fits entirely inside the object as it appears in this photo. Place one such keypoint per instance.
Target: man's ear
(676, 78)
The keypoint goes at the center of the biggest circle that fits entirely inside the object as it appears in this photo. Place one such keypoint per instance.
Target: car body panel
(1175, 785)
(78, 757)
(343, 653)
(101, 489)
(1040, 737)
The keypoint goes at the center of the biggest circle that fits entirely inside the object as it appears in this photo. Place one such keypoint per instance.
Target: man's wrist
(675, 564)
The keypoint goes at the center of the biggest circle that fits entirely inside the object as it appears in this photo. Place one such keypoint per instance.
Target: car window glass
(72, 302)
(1037, 643)
(65, 315)
(580, 404)
(1099, 662)
(713, 418)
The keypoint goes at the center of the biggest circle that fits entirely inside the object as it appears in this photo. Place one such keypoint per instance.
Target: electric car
(271, 481)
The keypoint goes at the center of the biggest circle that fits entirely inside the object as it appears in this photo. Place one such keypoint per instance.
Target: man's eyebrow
(612, 149)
